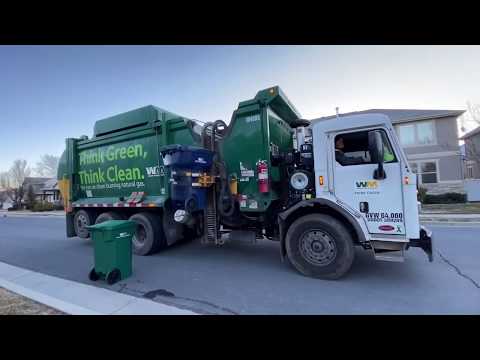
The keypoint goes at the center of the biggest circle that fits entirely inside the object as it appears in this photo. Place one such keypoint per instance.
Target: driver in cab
(342, 158)
(350, 160)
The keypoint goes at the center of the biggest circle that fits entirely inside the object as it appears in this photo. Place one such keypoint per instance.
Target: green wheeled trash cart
(112, 243)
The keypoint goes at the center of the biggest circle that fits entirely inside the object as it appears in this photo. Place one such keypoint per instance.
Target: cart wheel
(93, 276)
(113, 276)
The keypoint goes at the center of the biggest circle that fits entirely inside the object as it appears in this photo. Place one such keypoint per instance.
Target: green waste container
(112, 243)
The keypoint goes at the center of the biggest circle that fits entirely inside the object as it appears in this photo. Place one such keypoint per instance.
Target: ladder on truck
(211, 221)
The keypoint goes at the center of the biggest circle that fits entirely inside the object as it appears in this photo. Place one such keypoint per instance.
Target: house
(430, 141)
(51, 192)
(472, 153)
(45, 189)
(5, 201)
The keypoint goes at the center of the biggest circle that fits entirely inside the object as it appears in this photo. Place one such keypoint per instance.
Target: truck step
(388, 250)
(394, 256)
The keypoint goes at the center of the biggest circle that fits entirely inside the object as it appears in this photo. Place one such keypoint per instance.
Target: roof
(471, 133)
(404, 115)
(41, 183)
(50, 184)
(35, 180)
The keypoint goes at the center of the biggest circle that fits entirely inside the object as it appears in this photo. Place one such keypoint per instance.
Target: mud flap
(70, 226)
(425, 242)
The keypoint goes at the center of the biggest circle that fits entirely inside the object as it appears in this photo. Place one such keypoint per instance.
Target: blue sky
(48, 93)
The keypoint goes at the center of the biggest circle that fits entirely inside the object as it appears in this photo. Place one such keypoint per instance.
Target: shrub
(43, 206)
(58, 207)
(422, 192)
(31, 201)
(447, 198)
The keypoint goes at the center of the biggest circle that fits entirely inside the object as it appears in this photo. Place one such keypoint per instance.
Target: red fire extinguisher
(262, 171)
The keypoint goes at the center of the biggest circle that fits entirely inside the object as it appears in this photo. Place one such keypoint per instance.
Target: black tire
(149, 237)
(81, 220)
(113, 276)
(320, 246)
(93, 276)
(109, 215)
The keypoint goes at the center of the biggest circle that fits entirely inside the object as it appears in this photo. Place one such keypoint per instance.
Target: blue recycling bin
(187, 164)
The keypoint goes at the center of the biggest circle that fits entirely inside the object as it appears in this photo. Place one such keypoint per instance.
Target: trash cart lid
(113, 225)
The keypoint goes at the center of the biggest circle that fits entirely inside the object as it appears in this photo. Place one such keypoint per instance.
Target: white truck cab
(360, 165)
(365, 195)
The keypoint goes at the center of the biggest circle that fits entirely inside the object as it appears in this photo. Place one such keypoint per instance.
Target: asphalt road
(241, 278)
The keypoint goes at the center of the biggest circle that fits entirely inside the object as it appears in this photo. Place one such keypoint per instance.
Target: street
(241, 278)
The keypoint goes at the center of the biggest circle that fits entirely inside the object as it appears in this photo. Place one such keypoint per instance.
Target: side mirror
(375, 147)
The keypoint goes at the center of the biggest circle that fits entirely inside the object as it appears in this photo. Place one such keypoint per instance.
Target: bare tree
(471, 116)
(18, 172)
(47, 166)
(4, 180)
(472, 145)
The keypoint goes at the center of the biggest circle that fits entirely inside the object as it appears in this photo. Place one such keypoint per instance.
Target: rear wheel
(113, 276)
(149, 237)
(109, 215)
(320, 246)
(93, 276)
(81, 220)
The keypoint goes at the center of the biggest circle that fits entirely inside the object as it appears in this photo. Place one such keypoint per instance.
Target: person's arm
(347, 160)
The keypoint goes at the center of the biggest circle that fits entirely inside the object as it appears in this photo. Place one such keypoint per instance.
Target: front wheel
(320, 246)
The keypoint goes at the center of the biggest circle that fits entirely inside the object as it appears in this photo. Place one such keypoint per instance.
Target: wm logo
(155, 171)
(369, 184)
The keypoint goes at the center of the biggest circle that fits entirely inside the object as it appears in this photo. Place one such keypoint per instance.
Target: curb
(27, 214)
(47, 300)
(447, 220)
(77, 298)
(451, 223)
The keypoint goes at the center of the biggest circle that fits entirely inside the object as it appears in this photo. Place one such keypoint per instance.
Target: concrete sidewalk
(76, 298)
(58, 213)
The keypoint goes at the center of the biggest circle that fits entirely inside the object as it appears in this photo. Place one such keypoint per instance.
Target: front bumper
(425, 242)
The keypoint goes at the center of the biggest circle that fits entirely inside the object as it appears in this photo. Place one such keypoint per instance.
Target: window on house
(420, 133)
(407, 134)
(469, 172)
(426, 171)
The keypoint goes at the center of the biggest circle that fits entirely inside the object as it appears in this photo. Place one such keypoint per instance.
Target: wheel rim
(140, 235)
(317, 247)
(82, 222)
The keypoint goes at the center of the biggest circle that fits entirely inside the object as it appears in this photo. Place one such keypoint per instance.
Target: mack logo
(155, 171)
(368, 184)
(386, 227)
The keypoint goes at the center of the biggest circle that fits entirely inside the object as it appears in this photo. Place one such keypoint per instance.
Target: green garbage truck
(320, 188)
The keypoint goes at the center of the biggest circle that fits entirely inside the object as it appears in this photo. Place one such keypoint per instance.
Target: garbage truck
(321, 188)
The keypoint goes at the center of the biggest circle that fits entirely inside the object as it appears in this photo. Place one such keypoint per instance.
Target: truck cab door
(379, 200)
